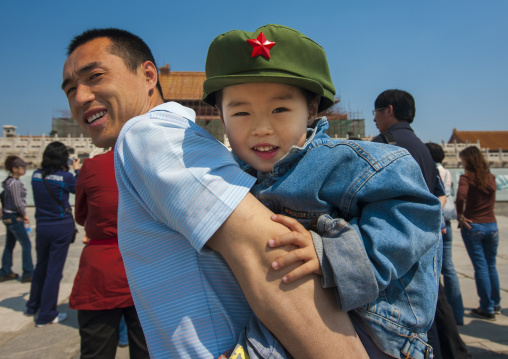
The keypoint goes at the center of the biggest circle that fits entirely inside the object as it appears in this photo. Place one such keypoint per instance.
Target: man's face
(263, 121)
(102, 92)
(383, 119)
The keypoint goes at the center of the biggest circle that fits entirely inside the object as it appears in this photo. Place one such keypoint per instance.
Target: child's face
(263, 121)
(18, 171)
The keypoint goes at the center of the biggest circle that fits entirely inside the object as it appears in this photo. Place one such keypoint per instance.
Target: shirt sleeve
(179, 174)
(390, 229)
(81, 206)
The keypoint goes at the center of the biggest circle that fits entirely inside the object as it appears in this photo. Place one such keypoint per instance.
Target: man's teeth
(265, 149)
(96, 116)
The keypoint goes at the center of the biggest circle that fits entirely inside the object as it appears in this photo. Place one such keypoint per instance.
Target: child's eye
(241, 114)
(280, 109)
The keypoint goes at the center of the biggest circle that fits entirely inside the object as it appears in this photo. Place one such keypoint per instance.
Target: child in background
(360, 212)
(15, 218)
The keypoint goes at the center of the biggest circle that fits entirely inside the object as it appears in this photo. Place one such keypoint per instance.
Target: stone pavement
(19, 339)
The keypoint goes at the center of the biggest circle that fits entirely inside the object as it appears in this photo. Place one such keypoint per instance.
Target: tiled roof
(182, 85)
(493, 140)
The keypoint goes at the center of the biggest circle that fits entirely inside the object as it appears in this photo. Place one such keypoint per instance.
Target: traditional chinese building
(186, 88)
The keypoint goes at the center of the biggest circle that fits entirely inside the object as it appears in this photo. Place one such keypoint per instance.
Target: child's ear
(313, 109)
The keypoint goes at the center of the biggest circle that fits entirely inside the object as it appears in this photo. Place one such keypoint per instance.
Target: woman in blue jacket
(54, 232)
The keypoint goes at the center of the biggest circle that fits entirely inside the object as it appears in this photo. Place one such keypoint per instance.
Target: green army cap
(271, 54)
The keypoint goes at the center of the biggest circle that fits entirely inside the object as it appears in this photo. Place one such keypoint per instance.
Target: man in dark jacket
(394, 111)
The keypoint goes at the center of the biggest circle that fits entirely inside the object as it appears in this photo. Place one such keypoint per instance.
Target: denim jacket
(379, 227)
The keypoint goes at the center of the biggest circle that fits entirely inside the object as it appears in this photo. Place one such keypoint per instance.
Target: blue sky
(451, 55)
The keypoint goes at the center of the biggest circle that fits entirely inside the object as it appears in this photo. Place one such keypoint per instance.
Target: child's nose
(261, 126)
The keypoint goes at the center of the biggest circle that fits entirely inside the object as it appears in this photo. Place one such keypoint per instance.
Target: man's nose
(83, 95)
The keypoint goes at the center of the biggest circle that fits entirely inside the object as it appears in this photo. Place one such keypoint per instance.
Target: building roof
(493, 140)
(181, 85)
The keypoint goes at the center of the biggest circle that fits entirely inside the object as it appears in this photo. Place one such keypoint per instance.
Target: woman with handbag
(476, 197)
(55, 230)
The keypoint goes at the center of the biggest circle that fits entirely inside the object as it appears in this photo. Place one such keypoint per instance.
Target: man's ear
(151, 74)
(389, 110)
(313, 110)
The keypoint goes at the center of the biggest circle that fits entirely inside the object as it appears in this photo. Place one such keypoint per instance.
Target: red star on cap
(261, 46)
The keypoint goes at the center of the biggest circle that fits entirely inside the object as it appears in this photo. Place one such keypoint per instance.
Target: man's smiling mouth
(95, 116)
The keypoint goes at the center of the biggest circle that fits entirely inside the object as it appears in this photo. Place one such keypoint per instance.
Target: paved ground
(19, 339)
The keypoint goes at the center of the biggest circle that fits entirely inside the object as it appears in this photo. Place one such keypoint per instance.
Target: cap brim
(213, 84)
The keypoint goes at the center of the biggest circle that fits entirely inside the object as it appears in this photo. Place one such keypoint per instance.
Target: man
(394, 111)
(179, 189)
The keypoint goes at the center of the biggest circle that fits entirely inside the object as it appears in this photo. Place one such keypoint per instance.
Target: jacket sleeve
(394, 222)
(70, 181)
(462, 191)
(15, 189)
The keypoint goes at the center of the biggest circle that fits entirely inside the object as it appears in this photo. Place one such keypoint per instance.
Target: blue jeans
(124, 339)
(481, 243)
(451, 281)
(15, 231)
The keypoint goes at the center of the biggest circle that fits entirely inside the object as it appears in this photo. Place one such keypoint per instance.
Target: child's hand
(306, 252)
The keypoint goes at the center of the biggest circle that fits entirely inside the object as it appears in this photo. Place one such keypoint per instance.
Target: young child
(360, 212)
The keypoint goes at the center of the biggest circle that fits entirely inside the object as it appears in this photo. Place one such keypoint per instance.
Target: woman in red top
(101, 292)
(475, 201)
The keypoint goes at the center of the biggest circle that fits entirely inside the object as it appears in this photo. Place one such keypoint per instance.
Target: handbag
(67, 210)
(449, 211)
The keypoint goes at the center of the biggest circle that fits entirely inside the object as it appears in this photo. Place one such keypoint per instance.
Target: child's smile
(265, 152)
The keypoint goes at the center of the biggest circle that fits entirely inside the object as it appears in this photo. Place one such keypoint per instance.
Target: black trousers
(443, 335)
(99, 331)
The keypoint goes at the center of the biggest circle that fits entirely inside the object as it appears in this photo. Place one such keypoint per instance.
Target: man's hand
(306, 252)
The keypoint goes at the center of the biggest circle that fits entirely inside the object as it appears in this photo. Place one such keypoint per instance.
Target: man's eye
(280, 109)
(69, 91)
(94, 76)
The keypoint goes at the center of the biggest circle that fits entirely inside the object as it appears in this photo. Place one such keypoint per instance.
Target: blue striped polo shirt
(177, 185)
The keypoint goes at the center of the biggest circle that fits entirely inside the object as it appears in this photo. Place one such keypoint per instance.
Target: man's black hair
(436, 151)
(402, 102)
(129, 47)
